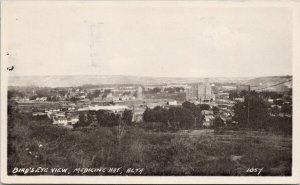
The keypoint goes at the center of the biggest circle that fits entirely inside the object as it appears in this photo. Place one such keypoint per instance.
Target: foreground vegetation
(37, 143)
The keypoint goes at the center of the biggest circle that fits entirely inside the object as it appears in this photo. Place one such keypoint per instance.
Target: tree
(286, 109)
(156, 90)
(233, 95)
(258, 111)
(83, 121)
(148, 115)
(90, 96)
(186, 118)
(195, 110)
(42, 93)
(176, 117)
(218, 122)
(127, 116)
(189, 105)
(62, 92)
(101, 117)
(74, 99)
(170, 90)
(14, 93)
(243, 93)
(215, 109)
(32, 97)
(275, 110)
(278, 102)
(204, 106)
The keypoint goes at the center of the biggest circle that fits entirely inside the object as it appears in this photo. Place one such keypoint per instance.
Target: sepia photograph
(147, 89)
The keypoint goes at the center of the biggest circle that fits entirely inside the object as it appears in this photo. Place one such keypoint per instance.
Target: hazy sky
(149, 41)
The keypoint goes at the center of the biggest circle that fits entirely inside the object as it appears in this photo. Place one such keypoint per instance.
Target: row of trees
(185, 117)
(168, 90)
(104, 118)
(259, 116)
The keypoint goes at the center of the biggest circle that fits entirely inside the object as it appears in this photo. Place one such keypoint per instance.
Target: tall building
(191, 93)
(140, 93)
(200, 92)
(205, 93)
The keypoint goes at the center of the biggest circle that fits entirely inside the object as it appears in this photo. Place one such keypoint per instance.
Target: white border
(295, 178)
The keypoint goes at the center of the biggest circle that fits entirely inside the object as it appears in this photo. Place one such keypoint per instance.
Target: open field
(188, 152)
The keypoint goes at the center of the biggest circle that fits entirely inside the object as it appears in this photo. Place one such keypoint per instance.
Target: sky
(162, 41)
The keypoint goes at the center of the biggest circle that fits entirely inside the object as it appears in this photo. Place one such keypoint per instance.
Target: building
(112, 108)
(223, 95)
(207, 112)
(242, 87)
(239, 99)
(172, 102)
(60, 121)
(205, 93)
(73, 120)
(208, 120)
(200, 92)
(137, 114)
(140, 93)
(35, 114)
(191, 93)
(41, 99)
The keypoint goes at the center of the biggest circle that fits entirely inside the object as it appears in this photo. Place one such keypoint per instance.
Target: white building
(41, 99)
(113, 108)
(208, 120)
(172, 102)
(60, 121)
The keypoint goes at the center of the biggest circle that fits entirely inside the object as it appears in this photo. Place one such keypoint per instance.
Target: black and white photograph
(148, 89)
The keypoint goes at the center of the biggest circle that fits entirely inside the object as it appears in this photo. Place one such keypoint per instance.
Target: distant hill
(80, 80)
(270, 83)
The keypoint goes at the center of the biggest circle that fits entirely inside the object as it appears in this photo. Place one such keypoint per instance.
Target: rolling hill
(80, 80)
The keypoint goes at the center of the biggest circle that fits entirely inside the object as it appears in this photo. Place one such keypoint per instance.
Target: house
(116, 99)
(109, 95)
(34, 114)
(208, 120)
(74, 120)
(132, 98)
(59, 114)
(98, 99)
(114, 108)
(278, 106)
(60, 121)
(84, 100)
(125, 98)
(239, 99)
(82, 96)
(223, 95)
(41, 99)
(71, 108)
(207, 112)
(174, 102)
(24, 100)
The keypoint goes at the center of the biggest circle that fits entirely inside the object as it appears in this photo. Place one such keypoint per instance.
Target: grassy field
(246, 149)
(186, 152)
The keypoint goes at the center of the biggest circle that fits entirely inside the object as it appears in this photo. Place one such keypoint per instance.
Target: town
(63, 106)
(224, 127)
